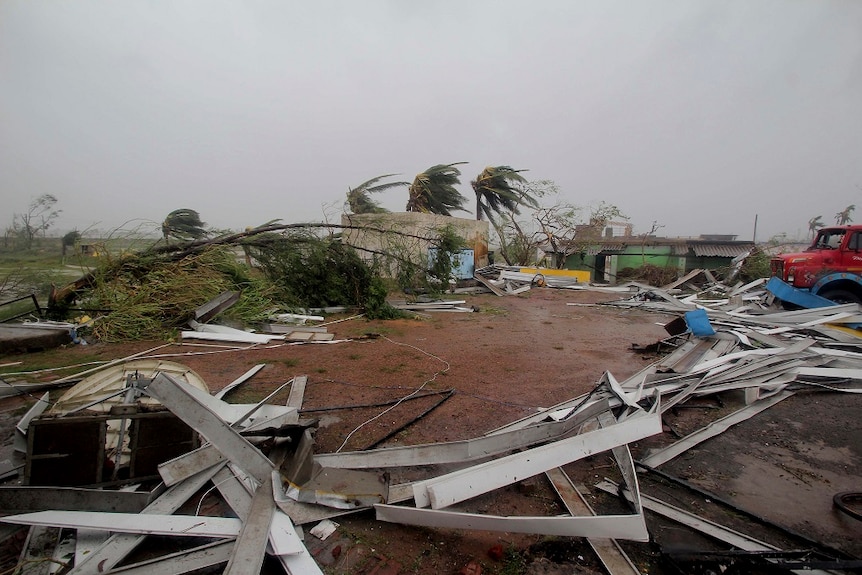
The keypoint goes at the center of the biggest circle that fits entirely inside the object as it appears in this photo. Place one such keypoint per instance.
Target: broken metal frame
(461, 451)
(457, 486)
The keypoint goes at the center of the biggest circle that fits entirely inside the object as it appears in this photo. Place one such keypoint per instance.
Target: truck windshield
(828, 240)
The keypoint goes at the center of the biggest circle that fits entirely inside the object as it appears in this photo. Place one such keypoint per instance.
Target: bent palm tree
(183, 224)
(359, 198)
(843, 218)
(814, 224)
(433, 191)
(496, 190)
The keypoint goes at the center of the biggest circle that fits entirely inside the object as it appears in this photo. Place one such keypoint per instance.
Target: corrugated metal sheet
(719, 250)
(606, 249)
(678, 248)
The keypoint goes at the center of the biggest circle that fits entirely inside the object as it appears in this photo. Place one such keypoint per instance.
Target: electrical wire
(409, 395)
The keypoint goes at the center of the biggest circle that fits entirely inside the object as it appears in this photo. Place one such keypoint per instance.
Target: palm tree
(497, 190)
(843, 218)
(433, 191)
(183, 224)
(814, 224)
(359, 198)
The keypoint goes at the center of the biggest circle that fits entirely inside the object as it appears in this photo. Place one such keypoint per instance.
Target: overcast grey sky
(694, 114)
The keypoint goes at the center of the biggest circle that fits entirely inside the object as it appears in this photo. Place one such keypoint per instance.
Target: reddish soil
(514, 355)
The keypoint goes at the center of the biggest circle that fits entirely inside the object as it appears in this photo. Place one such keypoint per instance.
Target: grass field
(34, 271)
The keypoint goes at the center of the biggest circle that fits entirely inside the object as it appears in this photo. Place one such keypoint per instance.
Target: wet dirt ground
(488, 368)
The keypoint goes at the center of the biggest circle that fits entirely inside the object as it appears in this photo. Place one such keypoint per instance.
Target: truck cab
(830, 267)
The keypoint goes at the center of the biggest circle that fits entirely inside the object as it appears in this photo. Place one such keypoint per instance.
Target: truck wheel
(841, 296)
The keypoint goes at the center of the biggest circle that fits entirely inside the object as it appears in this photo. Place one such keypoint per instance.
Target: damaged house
(606, 257)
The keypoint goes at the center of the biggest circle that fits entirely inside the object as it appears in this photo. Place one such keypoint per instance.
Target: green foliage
(498, 189)
(149, 298)
(514, 562)
(71, 238)
(650, 274)
(754, 267)
(319, 272)
(433, 191)
(441, 266)
(359, 198)
(183, 224)
(25, 271)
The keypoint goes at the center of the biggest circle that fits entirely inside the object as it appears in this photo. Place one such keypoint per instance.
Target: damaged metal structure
(260, 458)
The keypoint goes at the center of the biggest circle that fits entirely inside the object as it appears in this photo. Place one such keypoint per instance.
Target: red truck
(830, 268)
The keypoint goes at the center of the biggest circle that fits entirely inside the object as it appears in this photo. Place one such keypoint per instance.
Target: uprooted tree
(151, 293)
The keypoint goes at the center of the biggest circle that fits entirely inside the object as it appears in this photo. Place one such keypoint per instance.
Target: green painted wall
(632, 257)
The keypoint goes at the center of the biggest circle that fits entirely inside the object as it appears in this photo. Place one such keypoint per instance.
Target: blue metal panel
(799, 297)
(462, 263)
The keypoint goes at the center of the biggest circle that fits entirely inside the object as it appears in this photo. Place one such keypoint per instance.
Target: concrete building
(411, 234)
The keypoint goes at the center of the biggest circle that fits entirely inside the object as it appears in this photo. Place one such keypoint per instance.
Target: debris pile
(260, 458)
(513, 280)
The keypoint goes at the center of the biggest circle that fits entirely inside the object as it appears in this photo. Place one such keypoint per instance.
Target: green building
(608, 257)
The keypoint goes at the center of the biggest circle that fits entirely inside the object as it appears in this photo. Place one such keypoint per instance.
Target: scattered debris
(260, 457)
(513, 280)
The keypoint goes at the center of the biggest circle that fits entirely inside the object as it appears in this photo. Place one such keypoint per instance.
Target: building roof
(679, 246)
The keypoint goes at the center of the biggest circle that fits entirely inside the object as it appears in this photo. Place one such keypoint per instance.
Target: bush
(320, 272)
(650, 274)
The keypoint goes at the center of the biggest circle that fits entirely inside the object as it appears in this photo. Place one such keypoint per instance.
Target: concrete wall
(424, 226)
